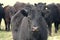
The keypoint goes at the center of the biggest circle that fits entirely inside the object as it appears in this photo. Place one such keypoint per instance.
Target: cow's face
(33, 15)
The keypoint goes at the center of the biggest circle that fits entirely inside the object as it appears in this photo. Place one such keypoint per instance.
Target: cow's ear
(24, 13)
(45, 3)
(1, 4)
(35, 4)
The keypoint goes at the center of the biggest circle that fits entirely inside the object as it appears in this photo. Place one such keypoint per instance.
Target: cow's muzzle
(35, 29)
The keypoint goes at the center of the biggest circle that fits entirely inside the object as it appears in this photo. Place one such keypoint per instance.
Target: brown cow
(19, 6)
(9, 12)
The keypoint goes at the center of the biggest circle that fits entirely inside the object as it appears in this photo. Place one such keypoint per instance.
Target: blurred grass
(54, 35)
(4, 35)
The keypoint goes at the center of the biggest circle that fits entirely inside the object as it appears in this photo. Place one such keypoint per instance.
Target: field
(4, 35)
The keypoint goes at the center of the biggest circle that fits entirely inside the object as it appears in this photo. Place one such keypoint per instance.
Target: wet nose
(34, 28)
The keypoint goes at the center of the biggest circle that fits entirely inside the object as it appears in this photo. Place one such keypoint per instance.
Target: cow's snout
(34, 29)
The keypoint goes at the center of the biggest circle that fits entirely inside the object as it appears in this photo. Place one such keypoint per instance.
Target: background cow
(19, 6)
(2, 14)
(9, 12)
(53, 17)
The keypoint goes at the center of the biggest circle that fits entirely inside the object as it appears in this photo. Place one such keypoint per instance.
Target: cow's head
(41, 6)
(35, 17)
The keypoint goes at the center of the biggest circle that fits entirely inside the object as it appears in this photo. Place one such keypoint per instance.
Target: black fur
(24, 13)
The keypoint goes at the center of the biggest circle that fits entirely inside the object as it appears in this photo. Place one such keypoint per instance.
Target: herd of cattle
(31, 22)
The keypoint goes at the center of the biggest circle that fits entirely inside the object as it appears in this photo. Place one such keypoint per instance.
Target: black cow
(58, 18)
(53, 17)
(2, 14)
(30, 27)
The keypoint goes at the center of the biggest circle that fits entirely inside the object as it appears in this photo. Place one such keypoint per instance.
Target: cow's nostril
(35, 29)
